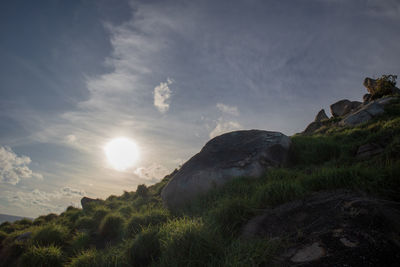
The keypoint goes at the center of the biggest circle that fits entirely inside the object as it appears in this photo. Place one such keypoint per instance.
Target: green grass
(50, 256)
(112, 226)
(51, 234)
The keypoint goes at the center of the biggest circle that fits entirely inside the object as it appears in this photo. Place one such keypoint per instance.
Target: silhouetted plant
(142, 190)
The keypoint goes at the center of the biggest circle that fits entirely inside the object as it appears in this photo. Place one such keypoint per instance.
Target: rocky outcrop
(86, 200)
(366, 112)
(374, 88)
(344, 107)
(321, 116)
(241, 153)
(333, 229)
(317, 123)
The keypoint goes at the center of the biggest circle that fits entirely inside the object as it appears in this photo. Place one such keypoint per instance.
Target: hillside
(339, 189)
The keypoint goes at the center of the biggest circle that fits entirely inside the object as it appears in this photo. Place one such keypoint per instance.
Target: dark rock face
(234, 154)
(86, 200)
(333, 229)
(344, 107)
(321, 116)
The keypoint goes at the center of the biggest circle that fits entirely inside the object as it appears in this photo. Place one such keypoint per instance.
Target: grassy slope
(134, 229)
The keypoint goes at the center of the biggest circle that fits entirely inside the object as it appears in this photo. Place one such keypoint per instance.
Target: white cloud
(162, 93)
(231, 110)
(44, 201)
(13, 168)
(153, 172)
(70, 138)
(224, 127)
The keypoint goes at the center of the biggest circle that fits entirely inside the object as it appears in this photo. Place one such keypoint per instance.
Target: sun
(122, 153)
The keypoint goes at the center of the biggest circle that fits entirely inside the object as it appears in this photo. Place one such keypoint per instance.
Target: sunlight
(122, 153)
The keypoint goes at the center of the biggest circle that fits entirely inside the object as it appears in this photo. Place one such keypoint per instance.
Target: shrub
(184, 242)
(3, 236)
(142, 190)
(256, 252)
(277, 192)
(52, 234)
(384, 86)
(99, 213)
(125, 210)
(80, 241)
(231, 214)
(111, 227)
(50, 256)
(139, 221)
(24, 222)
(144, 249)
(85, 259)
(85, 222)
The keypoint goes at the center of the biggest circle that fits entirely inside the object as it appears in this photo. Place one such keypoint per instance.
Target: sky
(168, 75)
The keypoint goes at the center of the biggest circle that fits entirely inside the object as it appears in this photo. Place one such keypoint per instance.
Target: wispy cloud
(152, 173)
(231, 110)
(13, 168)
(43, 201)
(224, 126)
(162, 94)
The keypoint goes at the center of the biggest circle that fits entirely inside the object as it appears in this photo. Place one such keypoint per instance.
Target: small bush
(99, 213)
(3, 235)
(50, 256)
(185, 242)
(85, 222)
(125, 210)
(256, 252)
(111, 227)
(142, 190)
(87, 258)
(52, 234)
(144, 249)
(139, 221)
(80, 241)
(231, 214)
(277, 192)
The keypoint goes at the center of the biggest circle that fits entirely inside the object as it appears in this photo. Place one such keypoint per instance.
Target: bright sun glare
(121, 153)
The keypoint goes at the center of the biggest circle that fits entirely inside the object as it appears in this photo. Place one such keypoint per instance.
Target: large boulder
(339, 228)
(344, 107)
(241, 153)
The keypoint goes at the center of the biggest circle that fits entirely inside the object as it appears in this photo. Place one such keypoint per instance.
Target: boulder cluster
(351, 113)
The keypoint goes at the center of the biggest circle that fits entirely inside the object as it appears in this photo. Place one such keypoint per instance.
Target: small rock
(309, 253)
(348, 243)
(369, 150)
(86, 200)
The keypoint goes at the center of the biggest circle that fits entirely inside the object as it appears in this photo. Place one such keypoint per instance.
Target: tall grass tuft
(48, 256)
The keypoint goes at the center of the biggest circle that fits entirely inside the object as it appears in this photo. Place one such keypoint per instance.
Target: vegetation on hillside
(134, 229)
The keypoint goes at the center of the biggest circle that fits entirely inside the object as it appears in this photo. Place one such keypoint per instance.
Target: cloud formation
(44, 201)
(13, 168)
(231, 110)
(224, 127)
(153, 172)
(162, 93)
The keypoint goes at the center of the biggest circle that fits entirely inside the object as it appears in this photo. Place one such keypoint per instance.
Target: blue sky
(169, 75)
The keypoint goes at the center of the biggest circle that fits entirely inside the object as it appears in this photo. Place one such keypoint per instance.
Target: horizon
(165, 77)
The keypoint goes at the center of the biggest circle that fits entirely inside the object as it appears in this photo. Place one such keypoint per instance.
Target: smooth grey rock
(321, 116)
(364, 114)
(308, 253)
(240, 153)
(24, 236)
